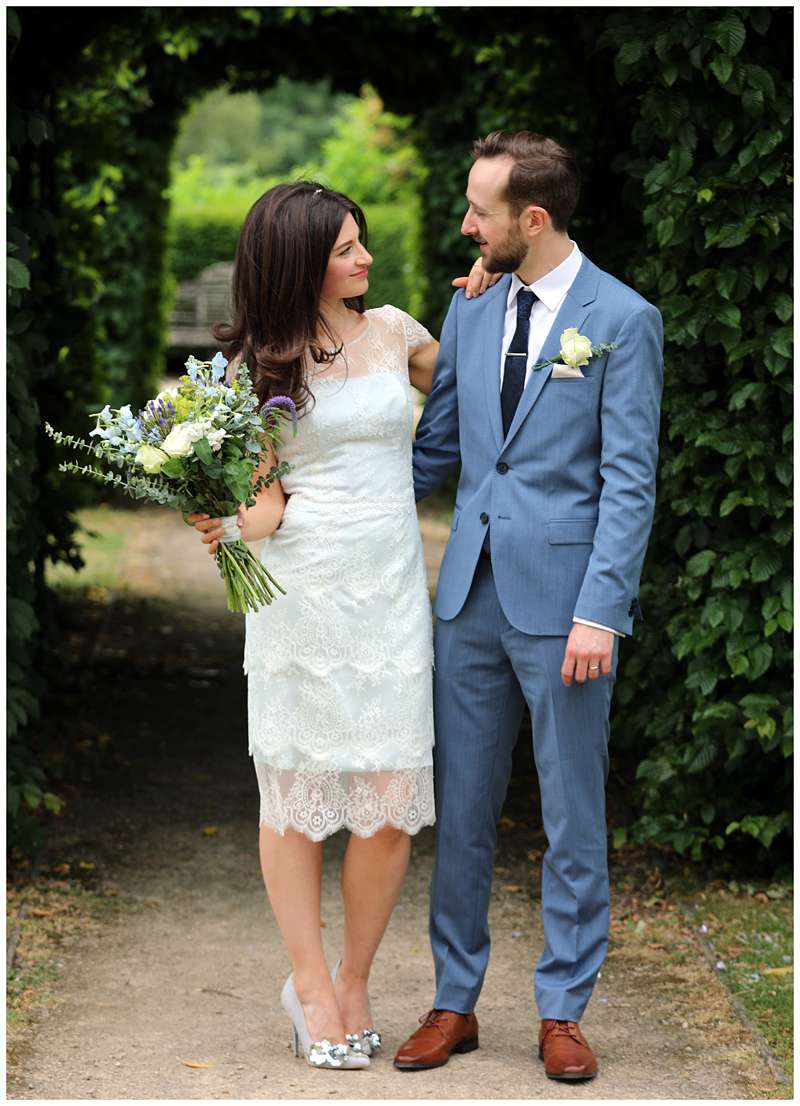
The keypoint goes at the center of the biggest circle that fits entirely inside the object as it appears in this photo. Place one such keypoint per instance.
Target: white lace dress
(340, 668)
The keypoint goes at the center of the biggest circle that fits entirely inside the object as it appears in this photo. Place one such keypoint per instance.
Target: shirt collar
(553, 286)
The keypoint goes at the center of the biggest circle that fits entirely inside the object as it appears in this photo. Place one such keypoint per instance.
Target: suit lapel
(491, 339)
(574, 311)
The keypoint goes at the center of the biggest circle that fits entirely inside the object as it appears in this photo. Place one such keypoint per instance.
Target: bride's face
(348, 265)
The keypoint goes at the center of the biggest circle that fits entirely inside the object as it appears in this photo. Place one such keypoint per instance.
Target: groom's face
(489, 220)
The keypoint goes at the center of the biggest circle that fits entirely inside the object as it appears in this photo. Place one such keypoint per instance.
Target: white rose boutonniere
(576, 351)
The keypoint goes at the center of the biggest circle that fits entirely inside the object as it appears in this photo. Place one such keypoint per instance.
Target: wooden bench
(198, 305)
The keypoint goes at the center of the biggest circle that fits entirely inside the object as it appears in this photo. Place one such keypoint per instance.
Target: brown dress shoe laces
(563, 1029)
(431, 1020)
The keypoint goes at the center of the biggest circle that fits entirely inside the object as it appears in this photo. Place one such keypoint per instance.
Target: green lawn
(750, 931)
(101, 539)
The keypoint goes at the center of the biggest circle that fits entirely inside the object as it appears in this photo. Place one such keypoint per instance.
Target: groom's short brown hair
(544, 173)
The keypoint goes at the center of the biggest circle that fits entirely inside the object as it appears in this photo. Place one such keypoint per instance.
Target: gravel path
(175, 995)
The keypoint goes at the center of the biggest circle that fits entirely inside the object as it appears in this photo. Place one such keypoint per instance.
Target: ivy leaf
(703, 759)
(760, 19)
(202, 450)
(173, 468)
(781, 341)
(733, 500)
(664, 231)
(759, 78)
(753, 101)
(723, 136)
(631, 52)
(17, 274)
(764, 565)
(783, 470)
(760, 659)
(766, 141)
(783, 307)
(769, 175)
(700, 563)
(760, 274)
(729, 315)
(730, 34)
(722, 67)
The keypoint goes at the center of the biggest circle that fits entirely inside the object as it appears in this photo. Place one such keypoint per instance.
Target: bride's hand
(478, 280)
(210, 530)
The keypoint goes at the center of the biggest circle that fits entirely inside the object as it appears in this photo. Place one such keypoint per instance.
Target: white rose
(216, 438)
(150, 458)
(179, 441)
(576, 349)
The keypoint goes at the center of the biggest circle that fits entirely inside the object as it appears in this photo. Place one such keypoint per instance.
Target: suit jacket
(569, 494)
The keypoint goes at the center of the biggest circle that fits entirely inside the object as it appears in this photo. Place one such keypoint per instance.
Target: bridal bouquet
(195, 448)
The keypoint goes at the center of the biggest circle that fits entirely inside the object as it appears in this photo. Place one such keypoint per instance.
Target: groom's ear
(534, 219)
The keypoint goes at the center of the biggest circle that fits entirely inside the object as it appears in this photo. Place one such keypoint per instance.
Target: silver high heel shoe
(320, 1054)
(370, 1041)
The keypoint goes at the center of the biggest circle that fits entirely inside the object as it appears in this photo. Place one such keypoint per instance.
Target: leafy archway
(680, 118)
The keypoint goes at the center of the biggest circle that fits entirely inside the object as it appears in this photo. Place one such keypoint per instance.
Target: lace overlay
(339, 669)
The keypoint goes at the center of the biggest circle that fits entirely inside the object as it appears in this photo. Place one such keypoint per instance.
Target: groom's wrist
(598, 626)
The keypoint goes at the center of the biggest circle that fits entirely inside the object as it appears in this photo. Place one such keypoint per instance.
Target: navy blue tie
(516, 365)
(516, 362)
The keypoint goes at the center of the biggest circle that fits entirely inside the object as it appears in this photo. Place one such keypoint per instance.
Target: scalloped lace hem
(320, 802)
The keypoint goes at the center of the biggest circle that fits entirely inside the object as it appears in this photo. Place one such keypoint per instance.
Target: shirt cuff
(598, 626)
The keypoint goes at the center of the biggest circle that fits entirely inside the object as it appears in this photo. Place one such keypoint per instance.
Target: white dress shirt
(551, 289)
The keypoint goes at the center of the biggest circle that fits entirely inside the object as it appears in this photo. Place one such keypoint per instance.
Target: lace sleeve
(416, 334)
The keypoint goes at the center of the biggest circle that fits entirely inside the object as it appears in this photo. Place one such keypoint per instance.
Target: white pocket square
(567, 372)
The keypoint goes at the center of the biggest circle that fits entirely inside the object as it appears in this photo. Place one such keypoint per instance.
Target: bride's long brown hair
(280, 266)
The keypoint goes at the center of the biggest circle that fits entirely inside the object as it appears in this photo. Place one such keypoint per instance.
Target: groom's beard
(507, 256)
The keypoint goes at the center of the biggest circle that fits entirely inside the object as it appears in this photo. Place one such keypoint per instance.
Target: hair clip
(316, 190)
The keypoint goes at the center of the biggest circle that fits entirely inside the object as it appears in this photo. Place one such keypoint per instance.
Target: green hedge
(208, 237)
(711, 159)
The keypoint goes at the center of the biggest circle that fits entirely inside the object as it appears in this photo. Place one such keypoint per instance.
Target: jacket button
(484, 517)
(502, 467)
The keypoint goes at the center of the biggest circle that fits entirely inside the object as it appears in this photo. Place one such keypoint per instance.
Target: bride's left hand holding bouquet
(196, 448)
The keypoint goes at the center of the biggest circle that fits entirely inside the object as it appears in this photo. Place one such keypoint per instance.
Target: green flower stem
(248, 584)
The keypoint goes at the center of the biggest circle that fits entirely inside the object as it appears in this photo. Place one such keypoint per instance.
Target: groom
(557, 448)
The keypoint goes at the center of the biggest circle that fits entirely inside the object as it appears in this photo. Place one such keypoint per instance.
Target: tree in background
(266, 132)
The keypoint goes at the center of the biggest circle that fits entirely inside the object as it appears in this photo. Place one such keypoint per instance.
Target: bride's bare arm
(421, 364)
(258, 521)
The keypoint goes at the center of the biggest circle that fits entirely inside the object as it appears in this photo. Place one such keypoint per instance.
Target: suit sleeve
(629, 414)
(437, 452)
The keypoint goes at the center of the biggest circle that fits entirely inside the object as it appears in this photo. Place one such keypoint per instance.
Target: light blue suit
(568, 496)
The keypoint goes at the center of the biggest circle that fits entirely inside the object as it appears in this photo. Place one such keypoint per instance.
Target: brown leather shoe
(565, 1051)
(443, 1032)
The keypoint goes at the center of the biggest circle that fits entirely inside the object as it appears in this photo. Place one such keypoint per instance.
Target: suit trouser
(485, 671)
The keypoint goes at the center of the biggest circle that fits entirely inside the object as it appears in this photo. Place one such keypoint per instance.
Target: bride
(339, 670)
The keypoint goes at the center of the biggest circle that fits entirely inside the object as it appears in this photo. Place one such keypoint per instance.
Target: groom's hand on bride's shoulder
(477, 281)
